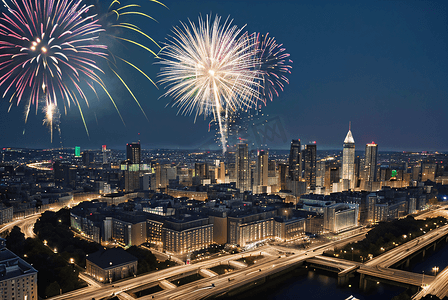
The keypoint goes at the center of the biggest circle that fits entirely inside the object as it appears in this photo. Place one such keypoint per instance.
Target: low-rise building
(107, 265)
(18, 279)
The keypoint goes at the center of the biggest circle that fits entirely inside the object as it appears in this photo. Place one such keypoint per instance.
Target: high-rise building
(348, 159)
(133, 167)
(295, 160)
(309, 165)
(242, 170)
(201, 170)
(220, 172)
(282, 174)
(88, 158)
(105, 154)
(371, 158)
(133, 153)
(261, 174)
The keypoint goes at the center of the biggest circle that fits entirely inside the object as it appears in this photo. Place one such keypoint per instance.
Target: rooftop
(110, 258)
(12, 266)
(349, 138)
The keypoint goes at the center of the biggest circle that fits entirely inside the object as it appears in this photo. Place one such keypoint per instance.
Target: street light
(72, 261)
(435, 270)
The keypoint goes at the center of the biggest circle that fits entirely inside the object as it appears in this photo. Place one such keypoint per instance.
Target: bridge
(273, 266)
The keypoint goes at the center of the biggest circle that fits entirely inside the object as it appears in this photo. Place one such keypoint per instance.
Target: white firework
(210, 69)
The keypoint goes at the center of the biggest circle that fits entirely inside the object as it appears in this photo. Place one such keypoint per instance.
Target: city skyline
(372, 64)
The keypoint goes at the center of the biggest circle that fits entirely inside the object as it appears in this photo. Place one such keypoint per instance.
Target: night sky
(383, 65)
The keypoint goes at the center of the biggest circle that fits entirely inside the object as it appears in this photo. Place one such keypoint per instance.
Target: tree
(53, 289)
(15, 241)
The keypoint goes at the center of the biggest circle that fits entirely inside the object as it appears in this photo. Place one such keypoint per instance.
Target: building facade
(295, 160)
(111, 264)
(242, 169)
(370, 163)
(309, 157)
(18, 279)
(348, 160)
(6, 214)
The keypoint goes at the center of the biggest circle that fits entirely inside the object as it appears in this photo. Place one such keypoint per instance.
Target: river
(317, 284)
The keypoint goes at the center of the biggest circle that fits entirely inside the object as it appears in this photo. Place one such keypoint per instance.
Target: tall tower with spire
(348, 158)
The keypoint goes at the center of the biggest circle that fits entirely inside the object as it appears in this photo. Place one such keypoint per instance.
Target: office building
(133, 153)
(340, 216)
(242, 170)
(261, 173)
(186, 235)
(348, 160)
(88, 158)
(370, 163)
(295, 160)
(282, 175)
(309, 165)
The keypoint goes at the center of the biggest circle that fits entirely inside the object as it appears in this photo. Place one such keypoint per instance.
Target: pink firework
(49, 50)
(273, 65)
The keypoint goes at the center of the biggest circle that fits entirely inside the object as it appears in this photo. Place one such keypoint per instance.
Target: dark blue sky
(381, 64)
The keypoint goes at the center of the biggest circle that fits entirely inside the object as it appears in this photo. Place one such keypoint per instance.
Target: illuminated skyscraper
(261, 174)
(371, 162)
(295, 160)
(133, 153)
(104, 152)
(309, 165)
(348, 159)
(242, 169)
(132, 174)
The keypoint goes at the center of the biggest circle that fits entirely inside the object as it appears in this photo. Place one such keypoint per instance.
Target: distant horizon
(217, 149)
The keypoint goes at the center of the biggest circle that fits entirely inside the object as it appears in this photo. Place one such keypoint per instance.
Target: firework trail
(117, 20)
(52, 118)
(272, 64)
(210, 69)
(49, 49)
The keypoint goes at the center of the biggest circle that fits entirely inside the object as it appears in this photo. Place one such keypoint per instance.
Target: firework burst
(210, 69)
(49, 50)
(273, 64)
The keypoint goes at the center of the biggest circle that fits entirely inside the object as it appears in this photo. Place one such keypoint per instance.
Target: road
(439, 287)
(26, 225)
(270, 264)
(402, 251)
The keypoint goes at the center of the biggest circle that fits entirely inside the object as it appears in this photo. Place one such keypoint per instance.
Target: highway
(26, 225)
(272, 263)
(131, 283)
(439, 287)
(401, 252)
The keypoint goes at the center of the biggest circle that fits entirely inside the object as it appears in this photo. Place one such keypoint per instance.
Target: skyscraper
(309, 165)
(133, 153)
(295, 160)
(371, 161)
(242, 169)
(132, 174)
(261, 174)
(348, 159)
